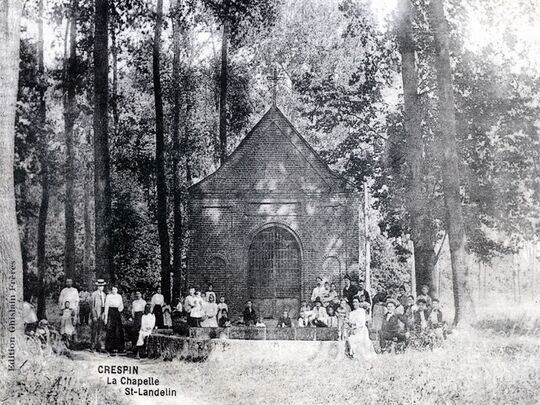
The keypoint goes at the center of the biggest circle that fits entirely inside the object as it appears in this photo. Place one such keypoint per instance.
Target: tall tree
(114, 22)
(223, 81)
(424, 251)
(44, 163)
(10, 248)
(161, 180)
(234, 16)
(179, 87)
(464, 308)
(70, 113)
(102, 181)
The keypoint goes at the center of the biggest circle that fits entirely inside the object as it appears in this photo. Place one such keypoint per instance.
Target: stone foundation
(222, 350)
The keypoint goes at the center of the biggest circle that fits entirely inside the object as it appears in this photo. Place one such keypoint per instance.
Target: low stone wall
(223, 350)
(254, 333)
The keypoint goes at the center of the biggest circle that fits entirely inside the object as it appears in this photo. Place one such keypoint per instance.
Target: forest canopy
(181, 82)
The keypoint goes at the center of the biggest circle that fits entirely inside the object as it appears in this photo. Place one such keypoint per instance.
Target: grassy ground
(495, 362)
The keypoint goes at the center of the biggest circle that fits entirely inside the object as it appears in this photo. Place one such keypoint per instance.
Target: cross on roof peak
(274, 79)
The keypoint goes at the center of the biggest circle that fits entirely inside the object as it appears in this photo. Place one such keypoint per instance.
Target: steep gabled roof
(273, 158)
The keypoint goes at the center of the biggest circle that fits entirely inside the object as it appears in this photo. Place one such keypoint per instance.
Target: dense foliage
(339, 67)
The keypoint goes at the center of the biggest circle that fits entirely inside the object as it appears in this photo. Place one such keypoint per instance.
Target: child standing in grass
(222, 306)
(421, 315)
(435, 321)
(425, 296)
(167, 317)
(66, 326)
(303, 321)
(210, 292)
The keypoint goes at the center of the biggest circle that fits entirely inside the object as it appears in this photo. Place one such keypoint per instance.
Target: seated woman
(332, 320)
(319, 315)
(284, 321)
(304, 321)
(210, 313)
(167, 316)
(390, 328)
(358, 342)
(148, 323)
(224, 321)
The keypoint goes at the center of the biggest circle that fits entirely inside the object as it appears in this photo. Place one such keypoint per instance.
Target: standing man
(85, 306)
(189, 303)
(364, 292)
(97, 302)
(71, 295)
(319, 291)
(349, 291)
(250, 316)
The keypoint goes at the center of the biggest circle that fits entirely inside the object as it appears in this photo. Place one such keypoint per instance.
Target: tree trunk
(10, 248)
(102, 180)
(223, 83)
(70, 113)
(44, 177)
(161, 182)
(87, 252)
(464, 309)
(176, 156)
(424, 256)
(114, 53)
(424, 245)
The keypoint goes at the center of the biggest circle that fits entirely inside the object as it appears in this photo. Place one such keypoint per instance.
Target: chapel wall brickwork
(272, 180)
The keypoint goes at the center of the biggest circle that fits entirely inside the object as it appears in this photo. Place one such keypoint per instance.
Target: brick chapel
(270, 220)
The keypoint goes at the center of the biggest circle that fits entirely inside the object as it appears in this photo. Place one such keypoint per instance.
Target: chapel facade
(270, 220)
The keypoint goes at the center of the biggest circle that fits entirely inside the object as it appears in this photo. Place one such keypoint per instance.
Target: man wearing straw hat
(98, 311)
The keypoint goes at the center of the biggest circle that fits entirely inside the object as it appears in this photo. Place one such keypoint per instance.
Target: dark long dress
(136, 326)
(158, 312)
(114, 339)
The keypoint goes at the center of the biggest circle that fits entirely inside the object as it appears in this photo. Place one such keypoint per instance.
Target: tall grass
(48, 375)
(474, 366)
(495, 362)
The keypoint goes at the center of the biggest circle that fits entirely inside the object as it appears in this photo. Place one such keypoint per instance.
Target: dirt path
(147, 368)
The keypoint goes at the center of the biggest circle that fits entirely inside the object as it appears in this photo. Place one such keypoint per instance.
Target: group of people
(395, 319)
(352, 311)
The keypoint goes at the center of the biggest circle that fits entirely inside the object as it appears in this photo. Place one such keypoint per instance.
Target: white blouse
(197, 311)
(210, 309)
(358, 318)
(158, 299)
(148, 322)
(114, 301)
(138, 306)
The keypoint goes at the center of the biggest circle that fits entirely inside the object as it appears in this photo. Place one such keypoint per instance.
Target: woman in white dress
(210, 313)
(359, 345)
(197, 310)
(114, 305)
(148, 323)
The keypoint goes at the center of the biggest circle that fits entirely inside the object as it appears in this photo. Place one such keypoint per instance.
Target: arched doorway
(274, 276)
